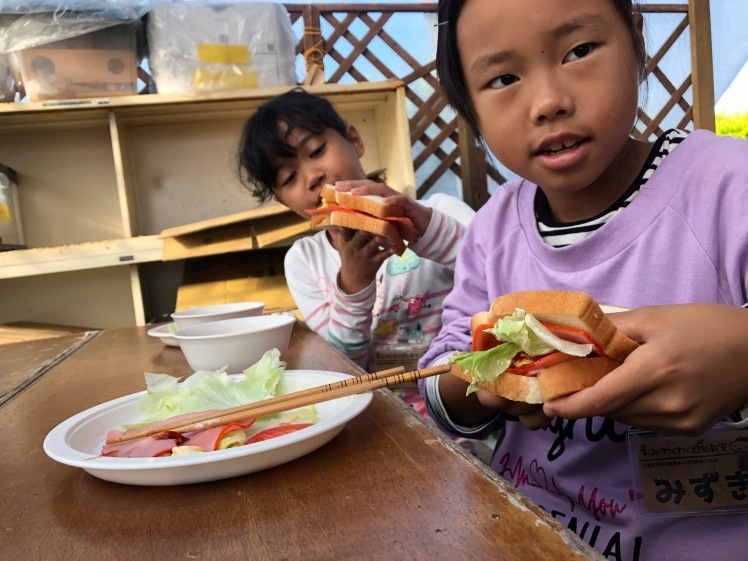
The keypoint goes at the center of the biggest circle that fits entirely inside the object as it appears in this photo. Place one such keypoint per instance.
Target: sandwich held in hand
(363, 212)
(535, 346)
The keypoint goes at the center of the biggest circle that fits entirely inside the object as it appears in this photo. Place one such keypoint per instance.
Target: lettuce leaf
(486, 366)
(205, 390)
(514, 329)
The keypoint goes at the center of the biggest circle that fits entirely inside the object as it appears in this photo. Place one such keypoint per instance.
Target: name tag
(690, 475)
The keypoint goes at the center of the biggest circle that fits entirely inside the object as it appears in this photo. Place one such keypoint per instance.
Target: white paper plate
(77, 442)
(162, 332)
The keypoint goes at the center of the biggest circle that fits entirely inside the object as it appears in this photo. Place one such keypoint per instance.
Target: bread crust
(360, 222)
(571, 309)
(510, 386)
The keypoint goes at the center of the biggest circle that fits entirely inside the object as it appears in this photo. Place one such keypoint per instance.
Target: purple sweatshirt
(683, 239)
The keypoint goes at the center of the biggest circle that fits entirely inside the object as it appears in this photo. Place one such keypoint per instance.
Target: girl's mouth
(561, 147)
(564, 154)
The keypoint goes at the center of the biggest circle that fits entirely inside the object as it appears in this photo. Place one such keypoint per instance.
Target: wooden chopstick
(317, 394)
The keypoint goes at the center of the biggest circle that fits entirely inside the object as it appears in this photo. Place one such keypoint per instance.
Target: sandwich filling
(520, 344)
(403, 224)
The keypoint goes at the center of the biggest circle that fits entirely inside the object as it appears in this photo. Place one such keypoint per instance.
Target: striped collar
(559, 234)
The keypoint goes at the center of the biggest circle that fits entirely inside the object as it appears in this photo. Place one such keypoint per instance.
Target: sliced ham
(161, 444)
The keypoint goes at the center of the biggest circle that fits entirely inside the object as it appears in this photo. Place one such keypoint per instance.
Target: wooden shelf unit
(100, 179)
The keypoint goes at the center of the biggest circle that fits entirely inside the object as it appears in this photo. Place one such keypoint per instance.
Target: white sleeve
(449, 220)
(342, 319)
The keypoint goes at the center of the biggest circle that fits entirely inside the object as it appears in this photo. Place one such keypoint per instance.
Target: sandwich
(363, 212)
(535, 346)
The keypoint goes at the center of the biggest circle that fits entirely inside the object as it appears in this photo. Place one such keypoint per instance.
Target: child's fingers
(614, 391)
(349, 184)
(535, 420)
(635, 323)
(365, 187)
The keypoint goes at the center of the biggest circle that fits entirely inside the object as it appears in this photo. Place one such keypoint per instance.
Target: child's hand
(690, 372)
(418, 214)
(531, 415)
(361, 255)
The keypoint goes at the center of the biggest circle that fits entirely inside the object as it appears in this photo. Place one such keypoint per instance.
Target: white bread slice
(363, 222)
(370, 204)
(571, 309)
(572, 376)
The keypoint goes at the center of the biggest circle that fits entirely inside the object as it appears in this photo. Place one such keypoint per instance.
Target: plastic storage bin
(11, 231)
(196, 47)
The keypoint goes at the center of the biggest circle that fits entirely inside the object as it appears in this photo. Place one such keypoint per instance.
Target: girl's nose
(550, 101)
(316, 179)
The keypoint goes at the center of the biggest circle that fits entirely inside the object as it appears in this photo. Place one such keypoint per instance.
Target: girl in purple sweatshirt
(551, 88)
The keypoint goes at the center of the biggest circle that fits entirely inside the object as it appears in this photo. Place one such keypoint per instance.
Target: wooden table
(389, 486)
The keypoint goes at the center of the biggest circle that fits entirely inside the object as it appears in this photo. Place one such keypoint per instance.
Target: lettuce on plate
(205, 390)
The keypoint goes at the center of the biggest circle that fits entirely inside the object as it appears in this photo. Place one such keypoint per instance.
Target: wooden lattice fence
(442, 148)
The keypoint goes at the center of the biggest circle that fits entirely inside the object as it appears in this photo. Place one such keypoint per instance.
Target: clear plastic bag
(25, 25)
(206, 46)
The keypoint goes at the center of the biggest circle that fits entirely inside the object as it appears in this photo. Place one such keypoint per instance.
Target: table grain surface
(389, 486)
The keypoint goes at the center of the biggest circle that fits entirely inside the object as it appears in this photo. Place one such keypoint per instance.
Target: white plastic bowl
(204, 314)
(235, 343)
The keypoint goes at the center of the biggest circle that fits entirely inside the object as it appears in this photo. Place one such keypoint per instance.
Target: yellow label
(5, 215)
(223, 54)
(225, 79)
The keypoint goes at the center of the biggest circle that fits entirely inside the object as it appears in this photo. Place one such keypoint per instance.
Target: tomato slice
(483, 341)
(280, 430)
(545, 361)
(327, 209)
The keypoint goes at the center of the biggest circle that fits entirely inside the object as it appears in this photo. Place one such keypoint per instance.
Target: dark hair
(449, 68)
(265, 136)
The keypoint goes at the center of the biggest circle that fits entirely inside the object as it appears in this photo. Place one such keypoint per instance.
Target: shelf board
(145, 101)
(81, 256)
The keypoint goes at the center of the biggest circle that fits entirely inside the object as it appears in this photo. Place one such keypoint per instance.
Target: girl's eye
(288, 179)
(318, 151)
(503, 81)
(578, 52)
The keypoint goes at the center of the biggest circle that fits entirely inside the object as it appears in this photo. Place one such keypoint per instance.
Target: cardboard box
(102, 63)
(248, 276)
(235, 258)
(251, 229)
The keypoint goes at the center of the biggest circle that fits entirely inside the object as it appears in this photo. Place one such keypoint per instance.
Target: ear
(353, 136)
